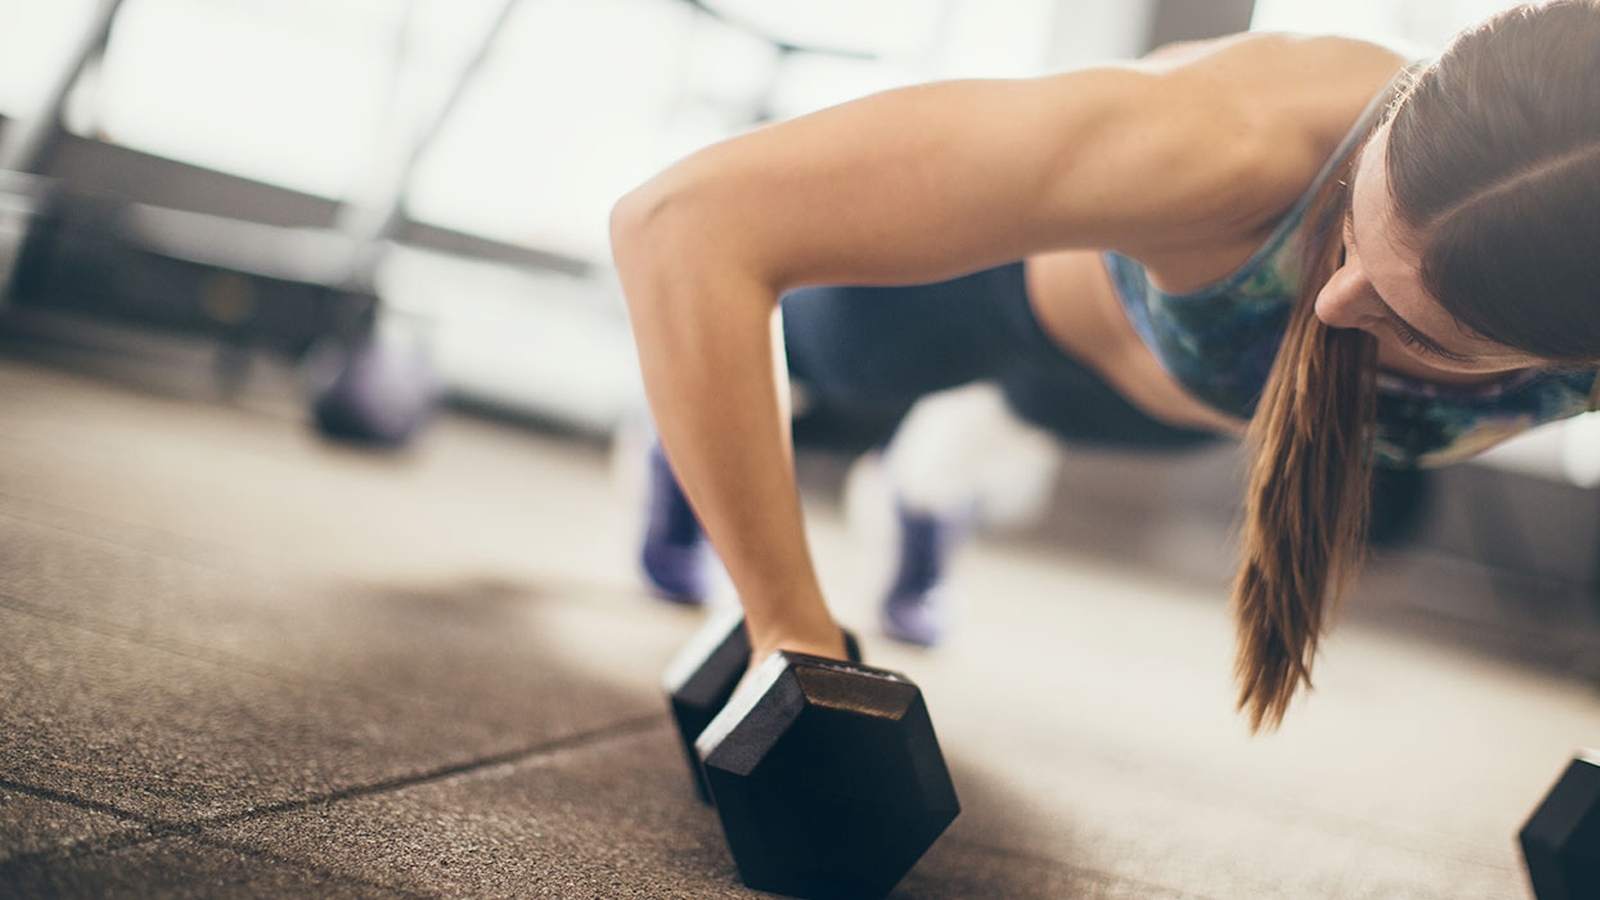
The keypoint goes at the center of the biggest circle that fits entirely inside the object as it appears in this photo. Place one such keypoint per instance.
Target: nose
(1347, 300)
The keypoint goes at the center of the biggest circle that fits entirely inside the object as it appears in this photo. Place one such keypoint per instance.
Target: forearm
(714, 377)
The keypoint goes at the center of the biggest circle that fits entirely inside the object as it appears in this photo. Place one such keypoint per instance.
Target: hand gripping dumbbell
(1561, 840)
(827, 775)
(702, 677)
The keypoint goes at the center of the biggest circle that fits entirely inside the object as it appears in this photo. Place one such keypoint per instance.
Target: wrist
(799, 628)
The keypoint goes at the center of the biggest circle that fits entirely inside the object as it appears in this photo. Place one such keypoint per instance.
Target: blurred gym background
(380, 206)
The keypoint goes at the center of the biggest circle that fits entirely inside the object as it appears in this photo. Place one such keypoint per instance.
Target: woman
(1296, 237)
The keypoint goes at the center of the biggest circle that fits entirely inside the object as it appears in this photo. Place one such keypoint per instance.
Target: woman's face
(1378, 289)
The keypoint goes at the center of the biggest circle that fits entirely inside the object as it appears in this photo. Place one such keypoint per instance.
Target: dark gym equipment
(827, 775)
(208, 276)
(251, 287)
(1561, 840)
(703, 675)
(89, 229)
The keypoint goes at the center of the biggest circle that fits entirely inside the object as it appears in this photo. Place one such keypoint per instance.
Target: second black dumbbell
(1561, 840)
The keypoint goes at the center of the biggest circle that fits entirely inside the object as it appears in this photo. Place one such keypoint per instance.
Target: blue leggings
(871, 352)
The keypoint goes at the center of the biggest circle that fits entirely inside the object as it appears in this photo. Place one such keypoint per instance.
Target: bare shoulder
(1317, 83)
(1270, 72)
(1271, 106)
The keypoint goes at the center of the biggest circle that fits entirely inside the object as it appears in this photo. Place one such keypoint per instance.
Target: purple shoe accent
(916, 609)
(675, 557)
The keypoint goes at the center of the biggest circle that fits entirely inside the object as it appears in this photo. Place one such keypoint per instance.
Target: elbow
(660, 271)
(632, 220)
(686, 256)
(652, 239)
(671, 233)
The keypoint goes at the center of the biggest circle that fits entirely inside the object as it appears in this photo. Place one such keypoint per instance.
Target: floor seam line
(637, 724)
(66, 799)
(161, 829)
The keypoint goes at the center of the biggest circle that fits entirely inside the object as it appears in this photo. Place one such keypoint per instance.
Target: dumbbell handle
(703, 676)
(751, 691)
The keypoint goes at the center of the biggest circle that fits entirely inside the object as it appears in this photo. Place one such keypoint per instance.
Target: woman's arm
(907, 186)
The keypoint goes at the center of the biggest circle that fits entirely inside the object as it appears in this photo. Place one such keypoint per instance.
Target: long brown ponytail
(1493, 164)
(1306, 499)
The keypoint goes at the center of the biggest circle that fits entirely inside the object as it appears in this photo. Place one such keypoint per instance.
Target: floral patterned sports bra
(1220, 341)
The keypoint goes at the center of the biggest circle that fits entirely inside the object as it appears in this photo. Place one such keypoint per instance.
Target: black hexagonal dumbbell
(1561, 840)
(702, 677)
(827, 776)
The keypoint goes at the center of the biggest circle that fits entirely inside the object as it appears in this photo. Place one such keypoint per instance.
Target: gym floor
(238, 661)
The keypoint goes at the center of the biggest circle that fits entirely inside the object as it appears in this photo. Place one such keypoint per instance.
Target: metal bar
(372, 224)
(26, 142)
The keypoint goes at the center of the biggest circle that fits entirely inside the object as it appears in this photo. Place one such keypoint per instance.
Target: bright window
(1426, 25)
(578, 101)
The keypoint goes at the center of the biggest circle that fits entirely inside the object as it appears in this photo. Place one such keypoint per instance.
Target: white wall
(1427, 24)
